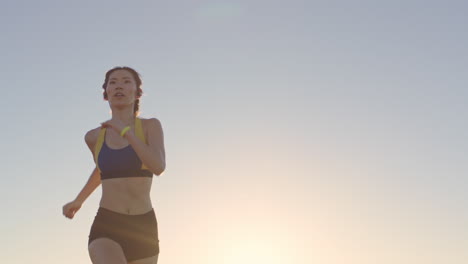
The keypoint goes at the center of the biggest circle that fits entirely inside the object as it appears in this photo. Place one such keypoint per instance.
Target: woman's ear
(138, 94)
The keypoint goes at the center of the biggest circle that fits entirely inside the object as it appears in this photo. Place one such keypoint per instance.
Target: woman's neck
(124, 115)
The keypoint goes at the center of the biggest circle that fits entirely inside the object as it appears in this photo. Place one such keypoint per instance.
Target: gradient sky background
(328, 132)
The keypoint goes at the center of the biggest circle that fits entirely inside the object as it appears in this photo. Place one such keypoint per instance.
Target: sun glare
(254, 252)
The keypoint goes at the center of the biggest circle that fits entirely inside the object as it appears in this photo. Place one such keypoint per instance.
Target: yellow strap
(100, 140)
(141, 135)
(139, 130)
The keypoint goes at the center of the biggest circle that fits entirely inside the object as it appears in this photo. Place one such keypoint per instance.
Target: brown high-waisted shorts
(136, 234)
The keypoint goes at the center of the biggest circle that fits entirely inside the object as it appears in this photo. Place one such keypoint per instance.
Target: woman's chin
(120, 105)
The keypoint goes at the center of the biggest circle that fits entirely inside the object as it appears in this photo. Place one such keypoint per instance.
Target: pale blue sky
(334, 129)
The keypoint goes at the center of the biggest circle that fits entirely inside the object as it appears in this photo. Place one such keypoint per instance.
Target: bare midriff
(127, 195)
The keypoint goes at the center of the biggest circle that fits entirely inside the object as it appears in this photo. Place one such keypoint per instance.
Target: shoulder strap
(98, 146)
(139, 130)
(141, 135)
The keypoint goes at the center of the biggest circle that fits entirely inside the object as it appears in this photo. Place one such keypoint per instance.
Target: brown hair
(136, 77)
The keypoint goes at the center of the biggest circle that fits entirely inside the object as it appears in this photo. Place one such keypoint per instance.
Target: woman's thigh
(105, 250)
(150, 260)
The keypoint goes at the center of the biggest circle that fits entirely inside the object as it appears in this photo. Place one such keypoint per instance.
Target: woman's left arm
(152, 155)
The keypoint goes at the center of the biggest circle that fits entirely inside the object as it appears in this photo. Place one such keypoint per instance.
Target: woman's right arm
(94, 180)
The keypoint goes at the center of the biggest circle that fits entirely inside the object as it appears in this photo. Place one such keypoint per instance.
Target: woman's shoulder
(92, 135)
(149, 120)
(151, 126)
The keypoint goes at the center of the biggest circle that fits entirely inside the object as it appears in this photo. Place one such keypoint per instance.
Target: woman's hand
(70, 209)
(114, 124)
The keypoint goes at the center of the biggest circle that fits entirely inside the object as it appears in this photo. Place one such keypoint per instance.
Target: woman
(127, 151)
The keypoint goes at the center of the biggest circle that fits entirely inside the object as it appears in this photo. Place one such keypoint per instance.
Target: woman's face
(121, 88)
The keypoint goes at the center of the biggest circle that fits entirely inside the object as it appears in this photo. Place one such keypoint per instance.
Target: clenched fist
(70, 209)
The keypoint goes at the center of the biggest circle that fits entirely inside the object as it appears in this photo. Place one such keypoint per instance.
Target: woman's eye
(111, 82)
(127, 81)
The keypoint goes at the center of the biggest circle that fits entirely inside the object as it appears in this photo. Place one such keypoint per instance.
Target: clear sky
(325, 132)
